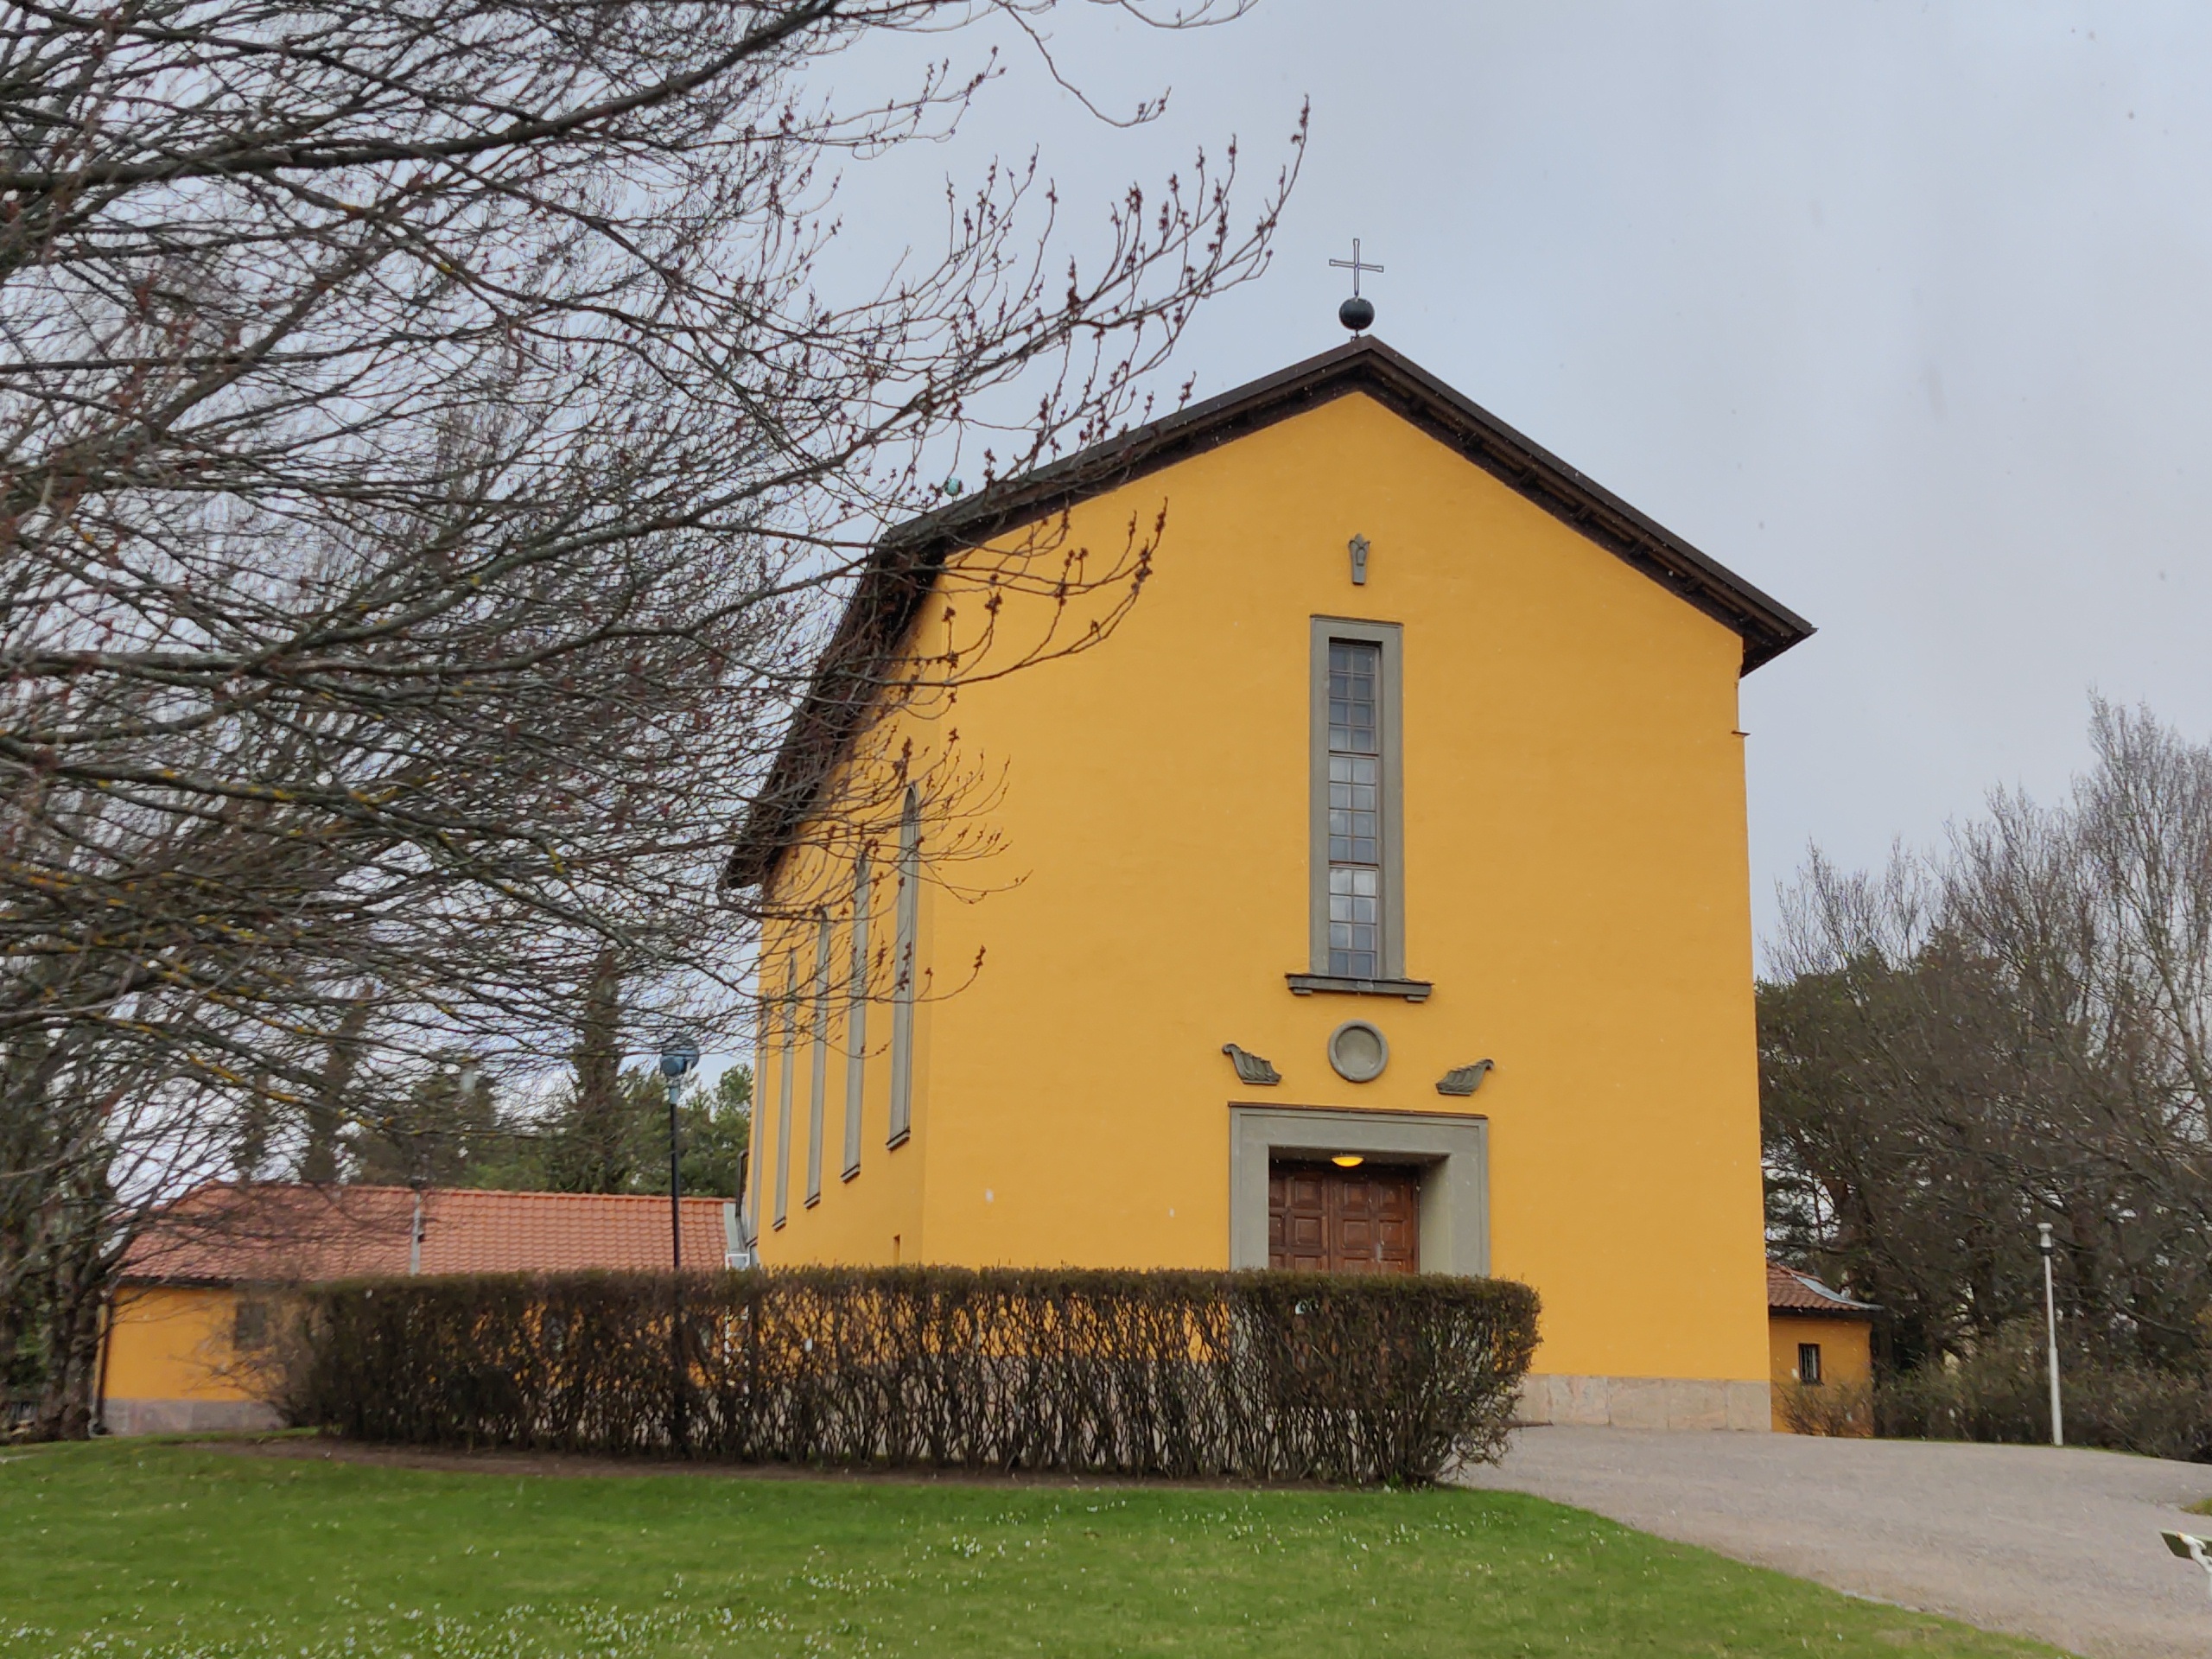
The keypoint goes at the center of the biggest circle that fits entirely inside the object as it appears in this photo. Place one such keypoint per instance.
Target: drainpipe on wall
(414, 1238)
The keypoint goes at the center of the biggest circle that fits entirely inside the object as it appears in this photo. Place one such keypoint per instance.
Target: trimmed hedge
(1262, 1376)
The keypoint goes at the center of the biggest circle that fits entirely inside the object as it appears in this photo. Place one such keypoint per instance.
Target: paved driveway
(2062, 1545)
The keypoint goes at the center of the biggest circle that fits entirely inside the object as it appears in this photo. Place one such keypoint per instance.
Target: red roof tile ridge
(224, 1232)
(1789, 1288)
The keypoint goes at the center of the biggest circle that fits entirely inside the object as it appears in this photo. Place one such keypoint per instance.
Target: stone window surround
(787, 1007)
(1389, 636)
(1452, 1150)
(818, 1086)
(906, 952)
(856, 1019)
(752, 1165)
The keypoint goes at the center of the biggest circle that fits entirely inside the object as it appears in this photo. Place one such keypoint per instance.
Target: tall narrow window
(753, 1164)
(1354, 808)
(818, 1095)
(903, 967)
(787, 1016)
(1358, 905)
(856, 1022)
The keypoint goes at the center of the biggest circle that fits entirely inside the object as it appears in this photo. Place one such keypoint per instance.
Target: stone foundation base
(186, 1417)
(1669, 1402)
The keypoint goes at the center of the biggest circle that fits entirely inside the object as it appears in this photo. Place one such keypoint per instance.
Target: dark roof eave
(898, 575)
(1840, 1311)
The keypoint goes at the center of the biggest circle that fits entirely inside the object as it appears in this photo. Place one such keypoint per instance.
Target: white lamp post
(2050, 1323)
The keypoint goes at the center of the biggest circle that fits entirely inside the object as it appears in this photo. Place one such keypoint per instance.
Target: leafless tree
(433, 437)
(2010, 1032)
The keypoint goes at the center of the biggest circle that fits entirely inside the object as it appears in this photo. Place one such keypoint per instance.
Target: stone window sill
(1413, 990)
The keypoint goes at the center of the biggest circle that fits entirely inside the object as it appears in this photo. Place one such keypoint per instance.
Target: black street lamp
(676, 1060)
(677, 1057)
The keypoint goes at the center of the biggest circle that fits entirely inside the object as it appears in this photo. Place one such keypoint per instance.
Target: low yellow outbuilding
(1821, 1345)
(188, 1320)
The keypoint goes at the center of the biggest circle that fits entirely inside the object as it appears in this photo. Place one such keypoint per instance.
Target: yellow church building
(1309, 831)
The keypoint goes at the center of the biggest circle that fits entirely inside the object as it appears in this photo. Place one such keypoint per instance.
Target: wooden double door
(1324, 1219)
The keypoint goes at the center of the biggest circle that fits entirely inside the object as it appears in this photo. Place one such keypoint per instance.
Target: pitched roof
(273, 1233)
(898, 574)
(1788, 1291)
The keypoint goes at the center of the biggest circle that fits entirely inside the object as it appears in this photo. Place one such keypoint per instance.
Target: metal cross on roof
(1355, 264)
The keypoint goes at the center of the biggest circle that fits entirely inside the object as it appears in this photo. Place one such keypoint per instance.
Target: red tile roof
(1791, 1292)
(271, 1233)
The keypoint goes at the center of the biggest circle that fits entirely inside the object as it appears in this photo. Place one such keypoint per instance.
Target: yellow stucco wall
(167, 1343)
(1847, 1352)
(1577, 889)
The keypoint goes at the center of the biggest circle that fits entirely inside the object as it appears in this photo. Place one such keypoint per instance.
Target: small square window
(1808, 1363)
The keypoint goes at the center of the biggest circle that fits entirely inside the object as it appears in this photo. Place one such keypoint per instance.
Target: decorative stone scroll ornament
(1359, 1051)
(1250, 1068)
(1359, 549)
(1464, 1079)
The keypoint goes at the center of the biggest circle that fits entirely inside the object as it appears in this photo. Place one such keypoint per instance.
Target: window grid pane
(1354, 809)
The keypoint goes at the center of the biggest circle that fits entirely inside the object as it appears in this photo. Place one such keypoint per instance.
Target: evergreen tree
(714, 1128)
(446, 1132)
(592, 1141)
(327, 1109)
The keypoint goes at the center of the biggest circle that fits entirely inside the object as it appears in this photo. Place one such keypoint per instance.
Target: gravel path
(2059, 1545)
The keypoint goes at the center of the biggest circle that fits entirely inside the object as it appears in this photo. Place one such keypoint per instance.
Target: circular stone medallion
(1358, 1052)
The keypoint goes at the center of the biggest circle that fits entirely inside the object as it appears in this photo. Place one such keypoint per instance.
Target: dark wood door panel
(1321, 1219)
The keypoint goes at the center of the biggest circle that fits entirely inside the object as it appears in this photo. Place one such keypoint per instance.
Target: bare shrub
(1264, 1376)
(1846, 1408)
(2002, 1392)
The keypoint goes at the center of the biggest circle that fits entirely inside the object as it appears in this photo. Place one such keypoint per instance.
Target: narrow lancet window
(903, 967)
(1357, 869)
(856, 1022)
(1354, 809)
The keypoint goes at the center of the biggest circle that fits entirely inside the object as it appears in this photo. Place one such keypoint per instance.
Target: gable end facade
(900, 575)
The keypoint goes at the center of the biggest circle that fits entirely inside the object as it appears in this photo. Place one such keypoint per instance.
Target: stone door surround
(1451, 1150)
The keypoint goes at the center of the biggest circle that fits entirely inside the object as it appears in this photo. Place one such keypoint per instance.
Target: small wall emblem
(1464, 1079)
(1250, 1068)
(1359, 1051)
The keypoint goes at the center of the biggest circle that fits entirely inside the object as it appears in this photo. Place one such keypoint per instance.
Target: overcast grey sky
(1896, 309)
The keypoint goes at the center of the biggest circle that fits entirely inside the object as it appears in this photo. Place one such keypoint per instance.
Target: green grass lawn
(131, 1548)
